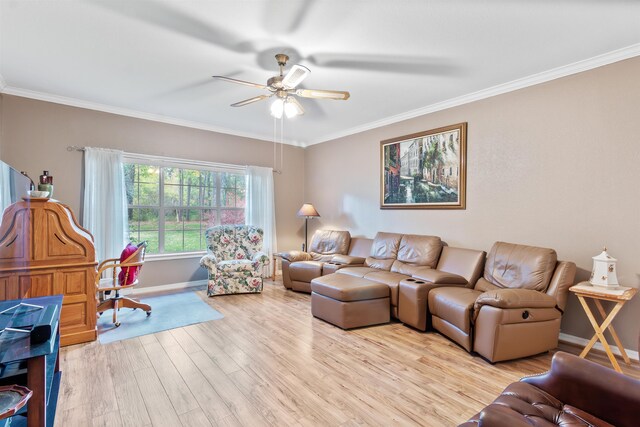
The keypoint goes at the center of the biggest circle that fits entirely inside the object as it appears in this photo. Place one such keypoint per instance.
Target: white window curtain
(105, 201)
(260, 208)
(5, 187)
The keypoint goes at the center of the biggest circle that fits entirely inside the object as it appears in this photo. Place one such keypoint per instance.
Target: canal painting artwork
(426, 170)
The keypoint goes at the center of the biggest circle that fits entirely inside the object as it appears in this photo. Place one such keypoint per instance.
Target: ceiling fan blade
(385, 63)
(241, 82)
(286, 17)
(323, 94)
(171, 18)
(250, 100)
(295, 76)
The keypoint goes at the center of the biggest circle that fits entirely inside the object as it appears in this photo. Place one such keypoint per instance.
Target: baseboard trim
(572, 339)
(169, 287)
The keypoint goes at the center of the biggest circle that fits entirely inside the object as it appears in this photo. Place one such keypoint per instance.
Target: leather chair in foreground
(514, 310)
(575, 392)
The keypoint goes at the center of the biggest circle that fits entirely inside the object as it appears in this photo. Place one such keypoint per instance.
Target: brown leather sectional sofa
(485, 304)
(575, 392)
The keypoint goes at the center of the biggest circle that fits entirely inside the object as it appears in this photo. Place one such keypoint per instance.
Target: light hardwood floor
(269, 362)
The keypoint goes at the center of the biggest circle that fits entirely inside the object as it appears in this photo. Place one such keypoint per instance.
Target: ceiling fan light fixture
(292, 109)
(277, 108)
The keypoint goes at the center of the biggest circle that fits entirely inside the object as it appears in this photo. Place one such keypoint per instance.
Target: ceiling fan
(283, 86)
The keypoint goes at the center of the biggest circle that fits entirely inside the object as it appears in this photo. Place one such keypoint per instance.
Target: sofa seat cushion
(390, 279)
(348, 288)
(233, 265)
(357, 271)
(524, 404)
(455, 305)
(305, 271)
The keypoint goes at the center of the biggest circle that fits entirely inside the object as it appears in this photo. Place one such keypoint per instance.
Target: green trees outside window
(171, 207)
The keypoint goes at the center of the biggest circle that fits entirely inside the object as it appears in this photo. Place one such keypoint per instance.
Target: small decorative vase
(46, 187)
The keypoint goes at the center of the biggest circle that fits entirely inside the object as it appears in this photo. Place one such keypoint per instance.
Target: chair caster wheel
(117, 324)
(148, 313)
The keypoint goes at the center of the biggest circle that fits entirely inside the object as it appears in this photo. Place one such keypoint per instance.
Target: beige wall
(35, 135)
(555, 165)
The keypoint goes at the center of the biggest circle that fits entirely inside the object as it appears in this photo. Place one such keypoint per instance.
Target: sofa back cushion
(328, 243)
(518, 266)
(417, 251)
(383, 250)
(228, 242)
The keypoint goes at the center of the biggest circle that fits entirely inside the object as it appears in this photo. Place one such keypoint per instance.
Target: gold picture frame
(425, 170)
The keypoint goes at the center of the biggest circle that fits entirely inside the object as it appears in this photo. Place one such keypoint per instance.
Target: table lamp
(307, 211)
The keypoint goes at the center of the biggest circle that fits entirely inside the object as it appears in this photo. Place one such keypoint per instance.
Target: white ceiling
(398, 58)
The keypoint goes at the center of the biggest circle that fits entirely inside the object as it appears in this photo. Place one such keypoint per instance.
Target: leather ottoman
(349, 302)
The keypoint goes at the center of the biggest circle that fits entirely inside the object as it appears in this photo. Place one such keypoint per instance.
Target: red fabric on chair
(131, 271)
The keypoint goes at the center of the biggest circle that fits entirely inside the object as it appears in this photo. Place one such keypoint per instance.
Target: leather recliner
(514, 310)
(300, 268)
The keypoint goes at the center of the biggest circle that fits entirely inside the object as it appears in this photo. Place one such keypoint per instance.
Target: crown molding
(545, 76)
(73, 102)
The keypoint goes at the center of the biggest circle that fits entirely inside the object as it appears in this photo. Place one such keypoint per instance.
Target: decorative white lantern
(604, 270)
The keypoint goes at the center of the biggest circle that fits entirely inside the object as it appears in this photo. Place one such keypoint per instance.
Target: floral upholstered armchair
(234, 259)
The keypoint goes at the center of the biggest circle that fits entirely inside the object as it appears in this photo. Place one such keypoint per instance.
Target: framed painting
(425, 170)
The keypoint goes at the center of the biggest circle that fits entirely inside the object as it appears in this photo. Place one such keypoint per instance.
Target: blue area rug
(169, 311)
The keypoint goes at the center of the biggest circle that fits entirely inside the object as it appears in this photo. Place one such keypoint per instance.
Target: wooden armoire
(44, 251)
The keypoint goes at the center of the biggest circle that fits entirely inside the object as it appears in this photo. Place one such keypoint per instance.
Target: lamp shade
(307, 210)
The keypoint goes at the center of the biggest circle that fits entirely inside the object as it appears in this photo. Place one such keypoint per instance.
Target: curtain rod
(185, 161)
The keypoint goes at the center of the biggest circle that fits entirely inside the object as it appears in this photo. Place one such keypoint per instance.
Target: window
(171, 207)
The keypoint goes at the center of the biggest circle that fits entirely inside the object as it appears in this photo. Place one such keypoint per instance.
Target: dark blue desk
(36, 366)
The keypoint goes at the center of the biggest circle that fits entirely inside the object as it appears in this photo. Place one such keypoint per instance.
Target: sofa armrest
(294, 256)
(347, 259)
(209, 262)
(600, 391)
(515, 298)
(438, 277)
(260, 258)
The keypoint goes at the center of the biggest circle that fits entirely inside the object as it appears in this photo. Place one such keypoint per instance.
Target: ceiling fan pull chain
(275, 141)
